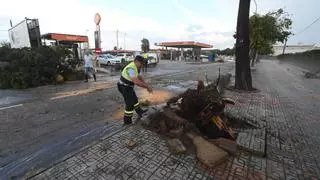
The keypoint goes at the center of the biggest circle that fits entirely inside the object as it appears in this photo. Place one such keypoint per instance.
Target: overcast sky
(211, 21)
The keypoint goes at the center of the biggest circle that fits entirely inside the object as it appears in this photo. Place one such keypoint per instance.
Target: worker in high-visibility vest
(130, 76)
(146, 57)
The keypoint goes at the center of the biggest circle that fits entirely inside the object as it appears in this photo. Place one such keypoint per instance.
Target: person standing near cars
(130, 76)
(88, 65)
(146, 59)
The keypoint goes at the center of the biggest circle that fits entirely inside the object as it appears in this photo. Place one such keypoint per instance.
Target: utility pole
(86, 33)
(124, 41)
(117, 39)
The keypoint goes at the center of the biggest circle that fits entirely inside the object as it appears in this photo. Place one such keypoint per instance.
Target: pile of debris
(197, 114)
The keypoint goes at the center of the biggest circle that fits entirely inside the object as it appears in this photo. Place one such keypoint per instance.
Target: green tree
(145, 46)
(266, 30)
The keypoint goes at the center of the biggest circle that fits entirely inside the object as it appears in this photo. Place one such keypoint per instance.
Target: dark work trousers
(146, 66)
(131, 100)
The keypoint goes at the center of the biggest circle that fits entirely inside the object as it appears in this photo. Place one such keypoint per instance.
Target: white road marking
(13, 106)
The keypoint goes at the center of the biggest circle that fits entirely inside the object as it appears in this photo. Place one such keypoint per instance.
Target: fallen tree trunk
(198, 114)
(203, 103)
(197, 110)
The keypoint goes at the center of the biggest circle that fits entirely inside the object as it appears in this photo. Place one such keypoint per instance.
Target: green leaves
(145, 46)
(266, 30)
(34, 67)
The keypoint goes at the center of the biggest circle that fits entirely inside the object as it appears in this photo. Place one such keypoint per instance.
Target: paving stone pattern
(151, 159)
(284, 144)
(110, 159)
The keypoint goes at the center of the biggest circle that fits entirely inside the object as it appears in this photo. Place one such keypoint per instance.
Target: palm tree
(145, 46)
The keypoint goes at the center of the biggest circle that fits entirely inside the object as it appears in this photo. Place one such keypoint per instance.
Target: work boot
(140, 112)
(127, 120)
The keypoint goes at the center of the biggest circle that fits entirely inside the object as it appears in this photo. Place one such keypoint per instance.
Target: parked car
(153, 59)
(204, 58)
(108, 59)
(125, 57)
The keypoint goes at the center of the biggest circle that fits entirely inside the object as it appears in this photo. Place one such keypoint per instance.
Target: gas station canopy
(120, 51)
(65, 37)
(184, 44)
(67, 40)
(195, 46)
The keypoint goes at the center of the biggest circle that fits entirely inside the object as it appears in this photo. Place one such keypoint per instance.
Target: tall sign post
(97, 34)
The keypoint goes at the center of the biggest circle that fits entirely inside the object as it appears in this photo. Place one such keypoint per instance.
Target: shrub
(34, 67)
(5, 79)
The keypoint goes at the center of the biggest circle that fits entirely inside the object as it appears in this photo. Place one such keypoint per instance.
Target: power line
(255, 2)
(307, 27)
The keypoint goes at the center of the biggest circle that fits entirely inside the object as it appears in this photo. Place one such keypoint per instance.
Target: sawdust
(118, 115)
(157, 97)
(98, 87)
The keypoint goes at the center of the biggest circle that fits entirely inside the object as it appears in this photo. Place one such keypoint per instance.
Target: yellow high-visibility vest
(125, 73)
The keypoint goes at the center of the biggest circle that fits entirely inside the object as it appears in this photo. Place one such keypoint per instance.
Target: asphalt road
(46, 116)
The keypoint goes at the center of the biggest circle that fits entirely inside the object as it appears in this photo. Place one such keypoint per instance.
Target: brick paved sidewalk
(284, 143)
